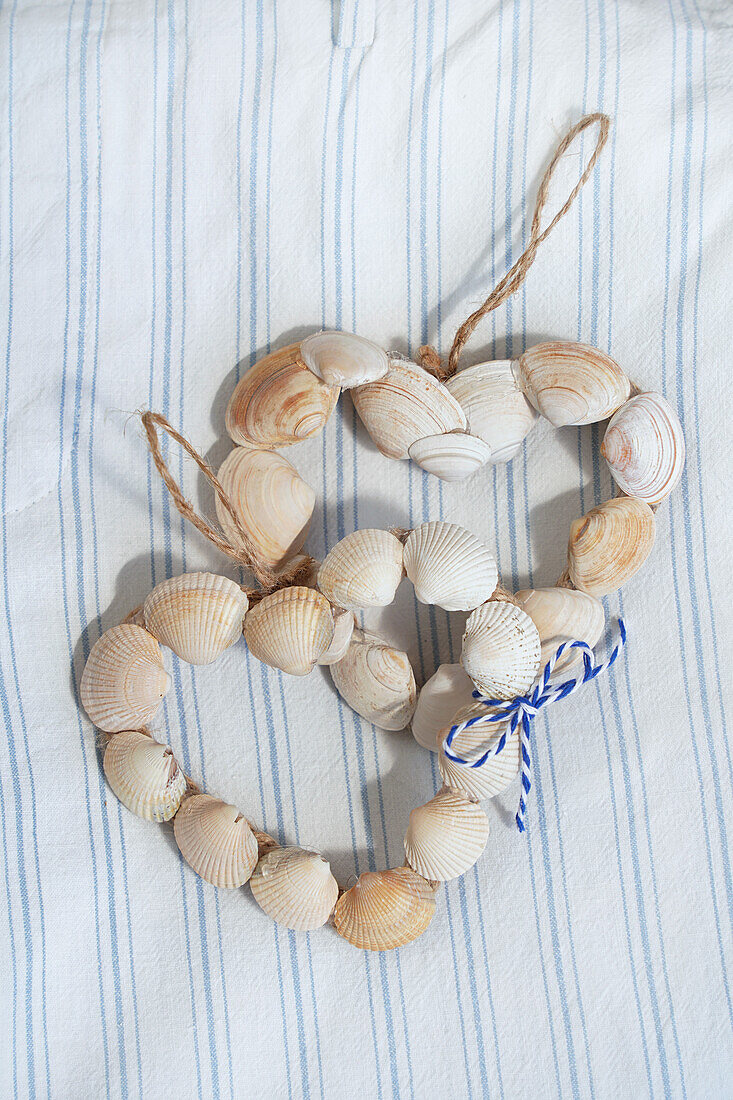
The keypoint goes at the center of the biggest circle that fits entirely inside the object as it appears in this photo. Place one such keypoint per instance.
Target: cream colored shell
(343, 628)
(452, 456)
(290, 629)
(494, 774)
(144, 775)
(446, 836)
(344, 359)
(364, 569)
(197, 615)
(376, 681)
(447, 690)
(572, 383)
(563, 615)
(385, 909)
(295, 887)
(124, 679)
(449, 566)
(610, 544)
(496, 409)
(501, 650)
(216, 841)
(644, 447)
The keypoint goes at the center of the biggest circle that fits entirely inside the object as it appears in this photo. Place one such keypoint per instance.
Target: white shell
(295, 887)
(644, 447)
(343, 628)
(447, 690)
(501, 650)
(406, 405)
(363, 570)
(572, 383)
(445, 836)
(144, 775)
(609, 544)
(496, 409)
(344, 359)
(452, 456)
(272, 502)
(215, 840)
(290, 629)
(449, 566)
(494, 774)
(124, 679)
(563, 615)
(197, 615)
(376, 681)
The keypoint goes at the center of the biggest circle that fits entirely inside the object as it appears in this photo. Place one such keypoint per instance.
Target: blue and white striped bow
(521, 710)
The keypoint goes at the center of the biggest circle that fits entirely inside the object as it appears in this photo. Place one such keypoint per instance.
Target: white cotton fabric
(184, 185)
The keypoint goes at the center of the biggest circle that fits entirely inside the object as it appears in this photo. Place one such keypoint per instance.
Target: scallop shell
(644, 447)
(197, 615)
(144, 775)
(445, 836)
(124, 679)
(572, 383)
(279, 401)
(492, 776)
(501, 650)
(290, 629)
(440, 697)
(363, 570)
(406, 405)
(216, 841)
(496, 409)
(385, 909)
(452, 456)
(376, 681)
(563, 615)
(609, 544)
(343, 628)
(344, 359)
(272, 502)
(449, 566)
(295, 887)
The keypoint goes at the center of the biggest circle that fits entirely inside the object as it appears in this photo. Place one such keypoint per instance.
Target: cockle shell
(124, 679)
(449, 566)
(144, 775)
(494, 774)
(344, 359)
(496, 409)
(343, 628)
(290, 629)
(563, 615)
(406, 405)
(572, 383)
(609, 544)
(440, 697)
(279, 401)
(376, 681)
(197, 615)
(452, 456)
(501, 650)
(273, 503)
(644, 447)
(363, 570)
(385, 909)
(445, 836)
(295, 887)
(215, 840)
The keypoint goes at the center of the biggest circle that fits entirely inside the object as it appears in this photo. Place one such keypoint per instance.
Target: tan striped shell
(197, 615)
(364, 569)
(290, 629)
(610, 544)
(124, 679)
(385, 909)
(216, 841)
(572, 383)
(446, 836)
(144, 775)
(295, 887)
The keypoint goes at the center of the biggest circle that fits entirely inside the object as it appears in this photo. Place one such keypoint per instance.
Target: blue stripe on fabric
(6, 877)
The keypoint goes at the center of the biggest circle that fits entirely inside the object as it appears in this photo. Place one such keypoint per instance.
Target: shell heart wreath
(477, 714)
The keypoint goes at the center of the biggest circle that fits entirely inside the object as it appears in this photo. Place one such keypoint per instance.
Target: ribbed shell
(501, 650)
(144, 775)
(496, 773)
(279, 401)
(272, 502)
(496, 409)
(295, 887)
(449, 566)
(406, 405)
(644, 446)
(447, 690)
(385, 909)
(376, 681)
(563, 615)
(609, 544)
(452, 456)
(343, 628)
(216, 841)
(363, 570)
(344, 359)
(445, 836)
(572, 383)
(124, 679)
(197, 615)
(290, 629)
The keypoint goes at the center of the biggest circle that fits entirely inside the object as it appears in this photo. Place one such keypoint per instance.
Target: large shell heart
(290, 629)
(124, 679)
(144, 775)
(449, 566)
(644, 447)
(295, 887)
(610, 544)
(445, 836)
(572, 383)
(197, 615)
(385, 909)
(216, 841)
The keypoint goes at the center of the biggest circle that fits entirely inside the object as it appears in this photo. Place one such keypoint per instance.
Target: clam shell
(124, 679)
(492, 776)
(144, 775)
(563, 615)
(197, 615)
(406, 405)
(644, 447)
(572, 383)
(609, 544)
(449, 566)
(376, 681)
(440, 697)
(215, 840)
(385, 909)
(290, 629)
(445, 836)
(272, 502)
(343, 628)
(363, 570)
(501, 650)
(279, 401)
(295, 887)
(496, 409)
(344, 359)
(452, 456)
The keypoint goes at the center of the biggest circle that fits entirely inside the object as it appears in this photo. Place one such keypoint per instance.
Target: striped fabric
(185, 184)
